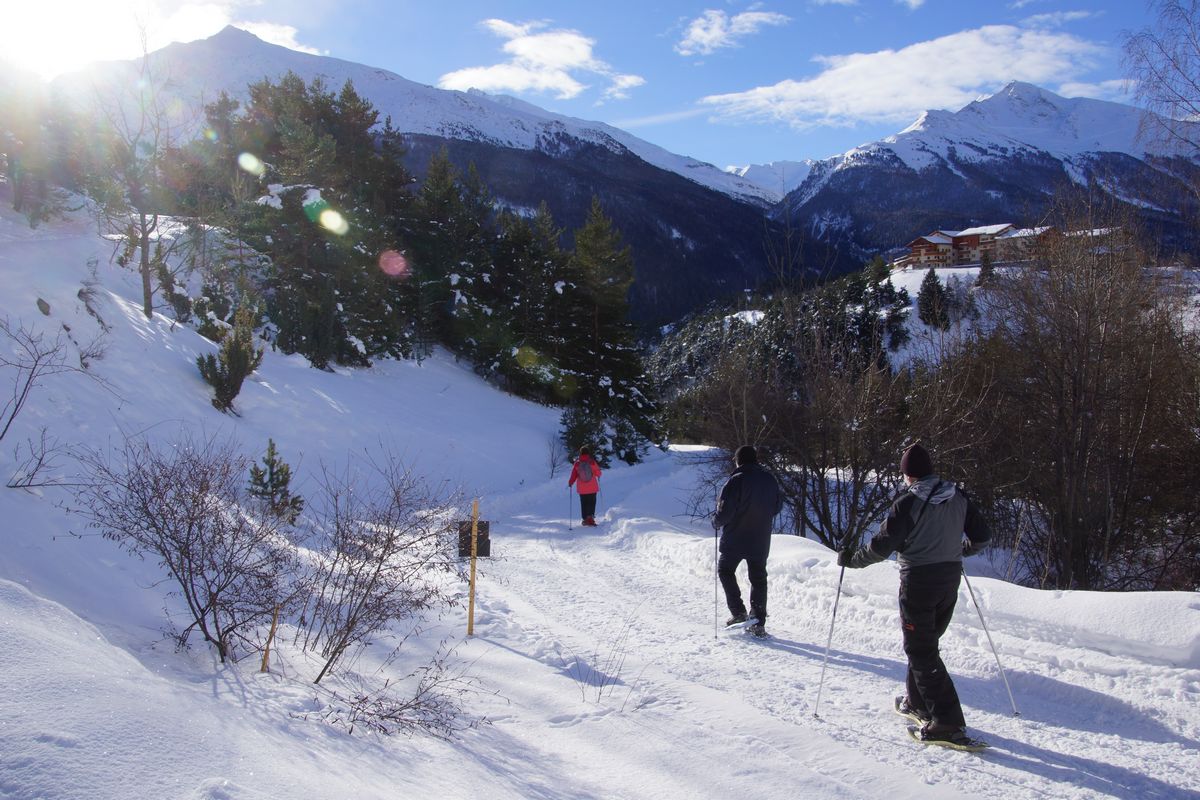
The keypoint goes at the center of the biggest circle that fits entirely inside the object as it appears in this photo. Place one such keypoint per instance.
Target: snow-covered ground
(602, 672)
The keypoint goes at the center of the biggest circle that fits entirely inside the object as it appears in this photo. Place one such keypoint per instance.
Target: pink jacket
(582, 486)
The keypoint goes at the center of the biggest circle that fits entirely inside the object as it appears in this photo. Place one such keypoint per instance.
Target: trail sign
(483, 545)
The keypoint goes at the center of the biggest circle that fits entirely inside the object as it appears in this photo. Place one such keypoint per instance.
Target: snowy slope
(232, 59)
(602, 671)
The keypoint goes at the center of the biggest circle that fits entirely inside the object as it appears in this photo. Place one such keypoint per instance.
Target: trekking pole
(570, 509)
(828, 642)
(992, 644)
(716, 585)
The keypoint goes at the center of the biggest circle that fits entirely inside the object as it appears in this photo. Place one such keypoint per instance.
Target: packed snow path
(624, 613)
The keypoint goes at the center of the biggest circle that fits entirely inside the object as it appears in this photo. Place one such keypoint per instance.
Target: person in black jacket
(925, 527)
(746, 507)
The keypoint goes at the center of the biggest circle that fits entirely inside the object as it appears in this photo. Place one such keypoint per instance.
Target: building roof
(937, 237)
(985, 230)
(1023, 233)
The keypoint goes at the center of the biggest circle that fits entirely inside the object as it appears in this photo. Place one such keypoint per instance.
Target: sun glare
(50, 37)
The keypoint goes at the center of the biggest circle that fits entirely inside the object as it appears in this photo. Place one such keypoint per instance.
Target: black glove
(846, 557)
(971, 548)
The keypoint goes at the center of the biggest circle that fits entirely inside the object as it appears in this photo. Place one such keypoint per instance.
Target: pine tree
(271, 483)
(612, 380)
(877, 270)
(987, 270)
(233, 363)
(932, 305)
(327, 229)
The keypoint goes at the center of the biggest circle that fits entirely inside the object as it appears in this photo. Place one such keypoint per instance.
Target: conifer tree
(233, 363)
(932, 305)
(987, 270)
(877, 270)
(612, 380)
(450, 232)
(271, 483)
(536, 301)
(327, 227)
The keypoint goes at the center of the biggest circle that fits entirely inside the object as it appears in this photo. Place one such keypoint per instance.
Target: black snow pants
(927, 597)
(726, 566)
(587, 505)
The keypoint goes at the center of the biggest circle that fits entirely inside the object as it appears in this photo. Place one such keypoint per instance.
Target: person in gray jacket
(925, 527)
(748, 504)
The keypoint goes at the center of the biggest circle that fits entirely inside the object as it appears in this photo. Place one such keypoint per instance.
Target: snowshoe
(757, 630)
(954, 738)
(736, 620)
(902, 708)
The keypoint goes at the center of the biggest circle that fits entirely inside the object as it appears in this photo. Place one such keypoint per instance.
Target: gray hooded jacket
(925, 525)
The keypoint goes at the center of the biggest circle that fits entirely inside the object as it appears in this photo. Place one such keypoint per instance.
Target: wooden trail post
(474, 553)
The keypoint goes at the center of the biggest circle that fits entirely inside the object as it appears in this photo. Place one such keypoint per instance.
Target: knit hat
(746, 454)
(916, 462)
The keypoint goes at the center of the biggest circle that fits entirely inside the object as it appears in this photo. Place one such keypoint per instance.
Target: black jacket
(925, 525)
(748, 503)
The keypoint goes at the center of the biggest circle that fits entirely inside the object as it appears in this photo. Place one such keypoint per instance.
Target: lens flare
(252, 164)
(210, 134)
(395, 264)
(333, 222)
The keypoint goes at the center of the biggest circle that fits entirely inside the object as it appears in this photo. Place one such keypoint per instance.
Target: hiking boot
(905, 709)
(736, 619)
(757, 629)
(952, 736)
(590, 522)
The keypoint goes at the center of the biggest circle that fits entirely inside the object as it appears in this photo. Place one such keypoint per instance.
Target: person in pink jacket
(585, 477)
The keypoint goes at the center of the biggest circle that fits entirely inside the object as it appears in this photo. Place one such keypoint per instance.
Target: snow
(601, 672)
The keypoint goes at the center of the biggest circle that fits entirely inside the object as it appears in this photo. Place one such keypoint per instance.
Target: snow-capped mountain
(778, 176)
(680, 216)
(233, 59)
(995, 160)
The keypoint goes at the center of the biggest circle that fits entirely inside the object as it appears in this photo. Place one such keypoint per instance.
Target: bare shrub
(38, 462)
(387, 541)
(1093, 405)
(184, 505)
(26, 357)
(429, 700)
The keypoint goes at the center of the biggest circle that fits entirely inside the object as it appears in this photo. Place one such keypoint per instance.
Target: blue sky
(728, 82)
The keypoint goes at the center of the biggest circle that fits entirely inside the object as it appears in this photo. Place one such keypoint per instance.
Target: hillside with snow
(599, 671)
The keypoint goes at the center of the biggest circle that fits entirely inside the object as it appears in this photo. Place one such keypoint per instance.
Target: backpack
(584, 468)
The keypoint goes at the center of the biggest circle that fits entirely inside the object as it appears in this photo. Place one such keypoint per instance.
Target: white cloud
(896, 85)
(621, 84)
(912, 4)
(1056, 19)
(541, 61)
(659, 119)
(284, 35)
(714, 30)
(1116, 90)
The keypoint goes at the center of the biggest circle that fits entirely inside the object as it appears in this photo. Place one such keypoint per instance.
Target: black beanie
(745, 454)
(916, 462)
